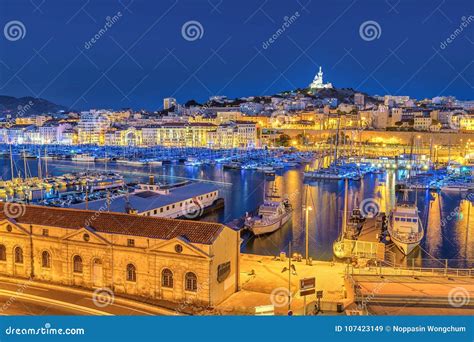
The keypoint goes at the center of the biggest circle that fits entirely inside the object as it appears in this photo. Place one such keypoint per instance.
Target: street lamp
(307, 209)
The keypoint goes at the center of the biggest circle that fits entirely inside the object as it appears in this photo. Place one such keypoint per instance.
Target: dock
(367, 245)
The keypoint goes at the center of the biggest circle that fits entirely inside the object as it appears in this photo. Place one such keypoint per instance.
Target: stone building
(159, 258)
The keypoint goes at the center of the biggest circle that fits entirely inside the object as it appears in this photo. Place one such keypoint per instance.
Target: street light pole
(289, 276)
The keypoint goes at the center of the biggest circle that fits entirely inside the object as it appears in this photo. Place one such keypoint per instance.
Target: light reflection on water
(243, 192)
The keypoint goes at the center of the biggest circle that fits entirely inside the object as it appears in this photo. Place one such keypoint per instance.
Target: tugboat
(272, 215)
(404, 226)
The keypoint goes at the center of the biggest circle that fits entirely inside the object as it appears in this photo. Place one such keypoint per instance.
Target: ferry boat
(404, 226)
(272, 215)
(83, 158)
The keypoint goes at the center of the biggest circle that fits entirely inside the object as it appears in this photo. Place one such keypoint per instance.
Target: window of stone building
(45, 259)
(167, 278)
(131, 272)
(190, 282)
(130, 242)
(18, 255)
(77, 264)
(178, 248)
(45, 232)
(3, 253)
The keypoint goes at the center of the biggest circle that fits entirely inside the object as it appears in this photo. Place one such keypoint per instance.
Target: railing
(411, 271)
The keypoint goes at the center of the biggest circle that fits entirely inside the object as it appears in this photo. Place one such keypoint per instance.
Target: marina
(443, 214)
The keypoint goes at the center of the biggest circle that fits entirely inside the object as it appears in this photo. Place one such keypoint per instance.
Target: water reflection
(445, 238)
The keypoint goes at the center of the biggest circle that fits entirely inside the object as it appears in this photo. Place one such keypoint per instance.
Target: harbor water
(448, 234)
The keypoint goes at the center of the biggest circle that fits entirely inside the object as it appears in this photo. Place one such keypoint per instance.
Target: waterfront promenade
(411, 292)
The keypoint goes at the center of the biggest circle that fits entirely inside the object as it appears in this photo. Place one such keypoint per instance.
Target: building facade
(156, 258)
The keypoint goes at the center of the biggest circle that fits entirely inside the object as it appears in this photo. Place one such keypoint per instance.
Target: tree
(283, 140)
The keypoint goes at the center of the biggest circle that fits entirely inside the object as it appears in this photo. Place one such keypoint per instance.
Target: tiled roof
(116, 223)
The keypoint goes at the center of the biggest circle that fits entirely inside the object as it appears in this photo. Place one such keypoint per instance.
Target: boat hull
(405, 248)
(261, 229)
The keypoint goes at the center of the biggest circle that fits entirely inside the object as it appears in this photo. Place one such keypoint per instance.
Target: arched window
(18, 255)
(45, 259)
(167, 278)
(3, 253)
(190, 282)
(131, 272)
(77, 264)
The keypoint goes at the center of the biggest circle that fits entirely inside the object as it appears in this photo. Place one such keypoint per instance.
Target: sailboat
(343, 246)
(404, 225)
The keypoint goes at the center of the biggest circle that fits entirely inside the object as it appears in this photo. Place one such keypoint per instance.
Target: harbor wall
(390, 137)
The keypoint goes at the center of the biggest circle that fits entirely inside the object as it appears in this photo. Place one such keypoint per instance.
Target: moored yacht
(272, 215)
(404, 226)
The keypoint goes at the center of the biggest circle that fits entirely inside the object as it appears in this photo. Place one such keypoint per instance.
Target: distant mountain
(26, 106)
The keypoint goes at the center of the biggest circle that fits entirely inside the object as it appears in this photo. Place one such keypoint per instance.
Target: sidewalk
(260, 276)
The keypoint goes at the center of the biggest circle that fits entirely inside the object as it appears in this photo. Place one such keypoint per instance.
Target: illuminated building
(155, 258)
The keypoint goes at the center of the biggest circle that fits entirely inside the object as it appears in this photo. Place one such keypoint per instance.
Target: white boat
(457, 187)
(272, 215)
(83, 158)
(405, 227)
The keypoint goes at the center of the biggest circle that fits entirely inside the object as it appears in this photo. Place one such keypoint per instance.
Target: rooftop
(117, 223)
(147, 200)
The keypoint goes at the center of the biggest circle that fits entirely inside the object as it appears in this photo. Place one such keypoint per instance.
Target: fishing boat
(404, 226)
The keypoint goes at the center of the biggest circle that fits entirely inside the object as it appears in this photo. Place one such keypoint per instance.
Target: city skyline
(238, 51)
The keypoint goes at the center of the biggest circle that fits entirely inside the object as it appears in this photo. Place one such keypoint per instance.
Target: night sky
(143, 57)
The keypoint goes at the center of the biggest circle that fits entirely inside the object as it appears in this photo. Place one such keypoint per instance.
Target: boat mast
(11, 161)
(344, 213)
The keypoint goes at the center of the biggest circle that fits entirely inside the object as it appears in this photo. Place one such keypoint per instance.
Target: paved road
(30, 298)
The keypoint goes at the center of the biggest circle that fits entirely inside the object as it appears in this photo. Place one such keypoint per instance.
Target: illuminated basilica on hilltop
(318, 82)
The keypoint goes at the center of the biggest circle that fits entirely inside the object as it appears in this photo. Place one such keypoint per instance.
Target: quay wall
(389, 137)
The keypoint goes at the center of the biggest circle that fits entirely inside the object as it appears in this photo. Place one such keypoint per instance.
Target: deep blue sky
(405, 60)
